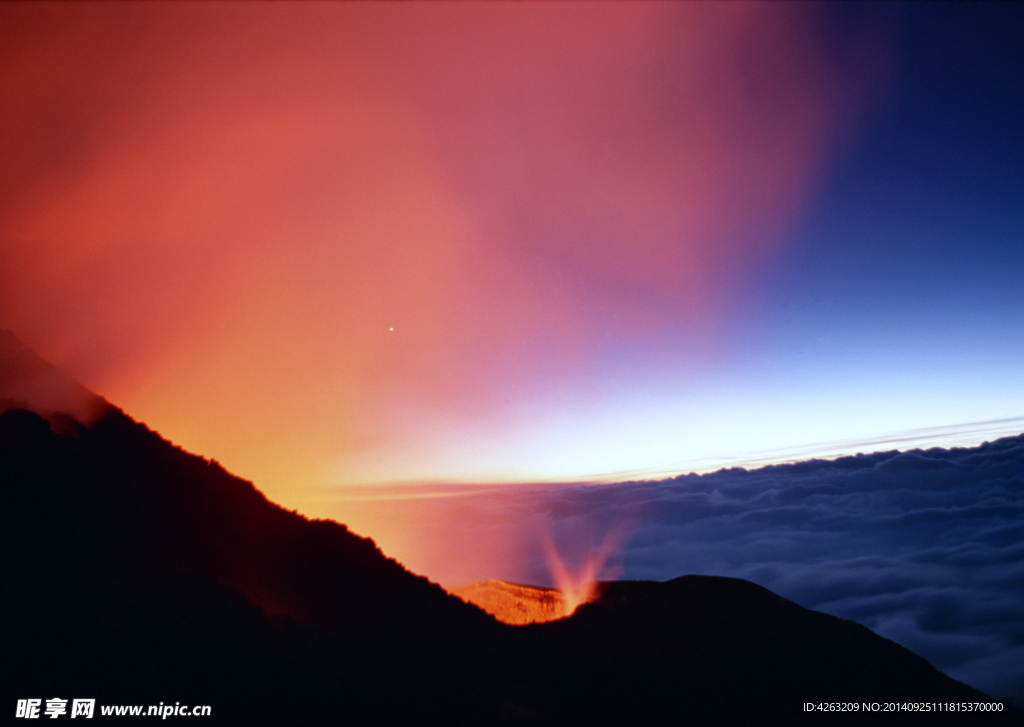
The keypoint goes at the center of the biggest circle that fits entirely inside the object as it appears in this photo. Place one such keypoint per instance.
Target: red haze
(310, 239)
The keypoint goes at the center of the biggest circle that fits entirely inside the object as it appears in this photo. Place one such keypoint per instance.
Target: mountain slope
(137, 573)
(114, 526)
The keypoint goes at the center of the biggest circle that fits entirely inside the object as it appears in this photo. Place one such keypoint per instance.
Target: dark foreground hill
(136, 573)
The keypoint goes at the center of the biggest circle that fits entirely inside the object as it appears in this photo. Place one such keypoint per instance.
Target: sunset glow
(347, 248)
(353, 243)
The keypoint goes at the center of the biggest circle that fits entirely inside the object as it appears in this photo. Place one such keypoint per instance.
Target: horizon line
(951, 436)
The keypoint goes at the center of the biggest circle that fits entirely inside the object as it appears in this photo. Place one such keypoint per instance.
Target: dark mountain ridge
(138, 573)
(118, 521)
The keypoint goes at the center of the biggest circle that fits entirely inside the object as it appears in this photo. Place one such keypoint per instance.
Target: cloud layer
(925, 547)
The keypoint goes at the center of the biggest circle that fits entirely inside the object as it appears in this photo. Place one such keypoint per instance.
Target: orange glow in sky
(354, 243)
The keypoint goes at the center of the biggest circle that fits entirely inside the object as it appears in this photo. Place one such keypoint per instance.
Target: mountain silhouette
(137, 573)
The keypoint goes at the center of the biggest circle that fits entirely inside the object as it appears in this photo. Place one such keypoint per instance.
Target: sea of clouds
(925, 547)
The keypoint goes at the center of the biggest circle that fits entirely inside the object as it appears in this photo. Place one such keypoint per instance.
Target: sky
(350, 243)
(430, 268)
